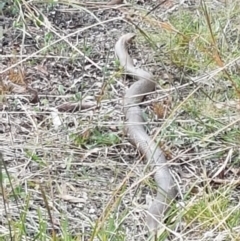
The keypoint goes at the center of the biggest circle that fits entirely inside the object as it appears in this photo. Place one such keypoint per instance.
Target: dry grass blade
(3, 167)
(54, 237)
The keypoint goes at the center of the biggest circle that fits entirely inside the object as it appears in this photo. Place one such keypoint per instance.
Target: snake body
(166, 190)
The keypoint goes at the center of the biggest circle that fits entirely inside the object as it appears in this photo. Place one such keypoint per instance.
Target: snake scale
(166, 190)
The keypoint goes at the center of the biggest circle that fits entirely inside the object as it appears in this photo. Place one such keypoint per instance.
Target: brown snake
(135, 128)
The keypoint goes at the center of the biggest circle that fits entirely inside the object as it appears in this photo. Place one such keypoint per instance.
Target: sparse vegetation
(74, 176)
